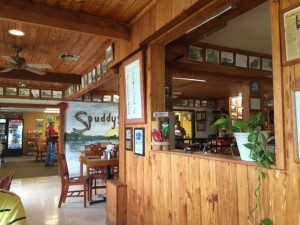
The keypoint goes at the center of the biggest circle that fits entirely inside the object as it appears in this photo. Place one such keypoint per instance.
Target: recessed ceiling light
(16, 32)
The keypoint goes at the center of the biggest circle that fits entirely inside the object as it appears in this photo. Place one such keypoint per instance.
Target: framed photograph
(201, 126)
(98, 71)
(35, 93)
(191, 103)
(211, 103)
(177, 102)
(24, 92)
(254, 62)
(90, 78)
(104, 66)
(116, 98)
(46, 93)
(266, 64)
(97, 98)
(49, 118)
(203, 103)
(201, 116)
(197, 103)
(139, 141)
(11, 91)
(57, 118)
(87, 97)
(57, 94)
(94, 77)
(290, 27)
(134, 89)
(195, 53)
(39, 123)
(296, 125)
(1, 90)
(184, 102)
(128, 138)
(241, 60)
(255, 103)
(107, 98)
(254, 87)
(109, 54)
(227, 58)
(212, 56)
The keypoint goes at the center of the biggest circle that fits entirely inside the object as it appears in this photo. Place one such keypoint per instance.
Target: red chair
(5, 182)
(67, 181)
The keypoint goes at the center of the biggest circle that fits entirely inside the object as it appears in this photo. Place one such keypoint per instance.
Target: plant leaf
(266, 221)
(266, 164)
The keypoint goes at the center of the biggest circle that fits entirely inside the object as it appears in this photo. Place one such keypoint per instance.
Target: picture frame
(195, 53)
(134, 89)
(266, 64)
(24, 92)
(255, 87)
(289, 27)
(241, 60)
(139, 141)
(201, 126)
(201, 116)
(10, 91)
(116, 98)
(87, 97)
(107, 98)
(128, 139)
(227, 58)
(57, 94)
(210, 103)
(97, 98)
(177, 102)
(98, 71)
(35, 93)
(46, 94)
(254, 62)
(212, 56)
(49, 118)
(197, 103)
(39, 123)
(109, 54)
(191, 102)
(255, 104)
(1, 90)
(184, 102)
(57, 118)
(203, 103)
(296, 126)
(104, 66)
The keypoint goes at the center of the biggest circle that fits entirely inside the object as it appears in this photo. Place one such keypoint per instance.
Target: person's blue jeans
(51, 153)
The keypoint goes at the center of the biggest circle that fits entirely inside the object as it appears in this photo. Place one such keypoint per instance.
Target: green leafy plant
(257, 142)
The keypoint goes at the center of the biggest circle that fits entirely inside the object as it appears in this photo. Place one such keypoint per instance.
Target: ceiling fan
(18, 62)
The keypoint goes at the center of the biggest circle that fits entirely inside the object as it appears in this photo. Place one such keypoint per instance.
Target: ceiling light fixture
(191, 79)
(52, 110)
(16, 32)
(211, 18)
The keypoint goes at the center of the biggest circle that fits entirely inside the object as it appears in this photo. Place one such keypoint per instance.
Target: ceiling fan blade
(6, 70)
(39, 66)
(34, 71)
(9, 59)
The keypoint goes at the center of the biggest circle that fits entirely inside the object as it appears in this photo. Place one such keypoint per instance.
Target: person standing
(11, 209)
(179, 135)
(52, 137)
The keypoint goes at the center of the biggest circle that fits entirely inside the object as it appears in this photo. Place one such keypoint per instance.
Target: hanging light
(16, 32)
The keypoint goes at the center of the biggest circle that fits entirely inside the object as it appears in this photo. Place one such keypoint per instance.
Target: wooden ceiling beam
(49, 77)
(43, 15)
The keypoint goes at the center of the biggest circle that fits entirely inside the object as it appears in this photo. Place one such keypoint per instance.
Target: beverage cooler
(15, 137)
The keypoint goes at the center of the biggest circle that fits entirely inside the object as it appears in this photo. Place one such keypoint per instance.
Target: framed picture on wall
(24, 92)
(195, 53)
(201, 126)
(46, 94)
(201, 116)
(109, 53)
(128, 138)
(134, 89)
(39, 123)
(227, 58)
(212, 56)
(11, 91)
(254, 62)
(139, 141)
(241, 60)
(49, 118)
(1, 90)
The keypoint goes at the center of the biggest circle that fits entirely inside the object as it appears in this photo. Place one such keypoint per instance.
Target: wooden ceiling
(86, 28)
(52, 27)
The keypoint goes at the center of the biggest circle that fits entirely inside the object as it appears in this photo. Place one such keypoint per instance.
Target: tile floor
(40, 197)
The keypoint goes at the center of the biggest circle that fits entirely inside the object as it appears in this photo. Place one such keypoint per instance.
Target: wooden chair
(5, 182)
(98, 173)
(67, 181)
(41, 150)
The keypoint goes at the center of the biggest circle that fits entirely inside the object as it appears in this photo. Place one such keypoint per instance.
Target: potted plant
(256, 144)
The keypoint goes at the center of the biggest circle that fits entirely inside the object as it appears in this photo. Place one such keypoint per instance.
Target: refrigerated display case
(15, 137)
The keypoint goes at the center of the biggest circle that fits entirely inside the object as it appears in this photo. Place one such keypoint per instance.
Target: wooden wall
(180, 189)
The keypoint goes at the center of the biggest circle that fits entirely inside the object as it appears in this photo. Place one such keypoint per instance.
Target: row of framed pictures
(93, 97)
(215, 56)
(33, 93)
(138, 138)
(194, 103)
(95, 74)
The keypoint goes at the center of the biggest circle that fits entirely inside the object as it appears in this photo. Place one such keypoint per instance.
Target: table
(96, 161)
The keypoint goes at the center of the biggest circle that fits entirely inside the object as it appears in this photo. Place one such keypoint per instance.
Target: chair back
(5, 182)
(63, 168)
(97, 150)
